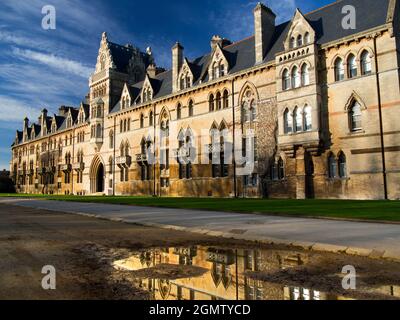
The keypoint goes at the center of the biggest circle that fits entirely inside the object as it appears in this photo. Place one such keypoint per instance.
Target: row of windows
(297, 121)
(296, 77)
(352, 66)
(219, 101)
(299, 41)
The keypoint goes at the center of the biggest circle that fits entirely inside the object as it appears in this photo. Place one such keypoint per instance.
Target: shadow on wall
(6, 185)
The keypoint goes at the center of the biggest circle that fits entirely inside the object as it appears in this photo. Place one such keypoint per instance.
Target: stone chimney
(152, 70)
(217, 40)
(177, 61)
(264, 25)
(26, 122)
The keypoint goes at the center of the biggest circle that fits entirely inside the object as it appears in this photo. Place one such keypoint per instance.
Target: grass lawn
(349, 209)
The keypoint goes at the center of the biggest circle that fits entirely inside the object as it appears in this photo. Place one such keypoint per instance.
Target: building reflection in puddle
(226, 276)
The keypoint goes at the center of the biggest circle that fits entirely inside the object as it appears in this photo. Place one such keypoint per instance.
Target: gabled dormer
(300, 33)
(69, 120)
(126, 97)
(82, 115)
(104, 58)
(54, 125)
(147, 93)
(186, 76)
(219, 65)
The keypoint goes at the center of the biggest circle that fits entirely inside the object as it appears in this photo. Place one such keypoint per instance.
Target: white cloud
(53, 61)
(237, 22)
(15, 110)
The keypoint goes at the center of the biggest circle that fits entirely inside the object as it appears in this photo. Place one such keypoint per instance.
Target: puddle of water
(243, 274)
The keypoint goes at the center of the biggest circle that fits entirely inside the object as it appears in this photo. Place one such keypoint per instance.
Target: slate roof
(123, 54)
(326, 22)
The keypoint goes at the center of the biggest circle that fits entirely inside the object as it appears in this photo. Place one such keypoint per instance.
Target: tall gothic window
(295, 78)
(211, 103)
(332, 166)
(226, 99)
(307, 118)
(179, 111)
(352, 66)
(191, 108)
(365, 63)
(286, 80)
(355, 117)
(342, 165)
(298, 119)
(287, 122)
(339, 70)
(305, 75)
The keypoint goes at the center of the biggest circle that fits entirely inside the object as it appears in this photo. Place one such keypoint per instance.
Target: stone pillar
(264, 28)
(177, 61)
(300, 174)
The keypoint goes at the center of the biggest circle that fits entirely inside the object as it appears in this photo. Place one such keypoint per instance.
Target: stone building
(302, 109)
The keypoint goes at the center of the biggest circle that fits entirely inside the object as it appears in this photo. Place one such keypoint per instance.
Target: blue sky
(48, 68)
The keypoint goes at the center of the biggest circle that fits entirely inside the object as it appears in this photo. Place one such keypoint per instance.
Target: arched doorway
(100, 179)
(97, 176)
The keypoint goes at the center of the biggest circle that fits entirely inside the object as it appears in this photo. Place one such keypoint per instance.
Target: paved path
(370, 239)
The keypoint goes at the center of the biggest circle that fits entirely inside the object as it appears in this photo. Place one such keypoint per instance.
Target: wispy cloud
(237, 22)
(53, 61)
(14, 110)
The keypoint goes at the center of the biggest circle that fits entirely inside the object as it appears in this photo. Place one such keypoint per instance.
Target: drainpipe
(114, 160)
(154, 151)
(378, 85)
(234, 140)
(73, 157)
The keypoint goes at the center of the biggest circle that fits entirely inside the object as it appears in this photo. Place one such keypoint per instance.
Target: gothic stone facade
(322, 100)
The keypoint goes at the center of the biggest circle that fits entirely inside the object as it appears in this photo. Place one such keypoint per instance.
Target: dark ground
(82, 251)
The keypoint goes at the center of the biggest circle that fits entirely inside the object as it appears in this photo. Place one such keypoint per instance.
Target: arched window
(215, 70)
(365, 63)
(307, 38)
(218, 101)
(191, 111)
(182, 82)
(352, 66)
(342, 165)
(332, 166)
(298, 119)
(226, 99)
(121, 126)
(123, 103)
(179, 111)
(211, 103)
(307, 118)
(299, 40)
(292, 42)
(286, 80)
(151, 117)
(281, 169)
(355, 117)
(253, 111)
(141, 121)
(245, 112)
(339, 70)
(111, 137)
(221, 69)
(305, 75)
(98, 131)
(125, 125)
(295, 78)
(287, 122)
